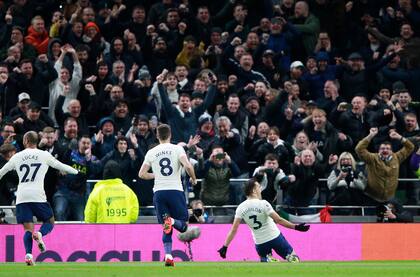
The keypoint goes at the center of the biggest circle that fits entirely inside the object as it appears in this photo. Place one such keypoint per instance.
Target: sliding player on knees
(262, 219)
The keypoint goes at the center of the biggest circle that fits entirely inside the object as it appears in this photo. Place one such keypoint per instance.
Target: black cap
(197, 94)
(355, 56)
(398, 87)
(34, 106)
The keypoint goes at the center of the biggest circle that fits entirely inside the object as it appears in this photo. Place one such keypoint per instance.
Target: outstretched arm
(302, 227)
(53, 162)
(232, 232)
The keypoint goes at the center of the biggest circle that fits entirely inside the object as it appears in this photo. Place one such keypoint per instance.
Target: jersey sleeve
(238, 212)
(181, 151)
(268, 209)
(53, 162)
(147, 159)
(7, 167)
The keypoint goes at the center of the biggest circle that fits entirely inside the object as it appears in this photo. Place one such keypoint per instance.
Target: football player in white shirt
(262, 219)
(166, 161)
(31, 166)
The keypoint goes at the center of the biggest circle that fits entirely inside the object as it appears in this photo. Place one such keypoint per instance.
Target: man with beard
(68, 139)
(121, 117)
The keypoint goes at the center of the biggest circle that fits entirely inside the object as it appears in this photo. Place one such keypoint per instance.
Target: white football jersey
(31, 166)
(256, 213)
(164, 159)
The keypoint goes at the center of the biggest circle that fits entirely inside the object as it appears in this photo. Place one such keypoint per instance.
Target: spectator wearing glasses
(383, 167)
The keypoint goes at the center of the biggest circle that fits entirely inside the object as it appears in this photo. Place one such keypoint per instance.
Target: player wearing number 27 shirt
(166, 161)
(31, 166)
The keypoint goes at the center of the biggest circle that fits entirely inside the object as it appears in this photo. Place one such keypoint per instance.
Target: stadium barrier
(142, 242)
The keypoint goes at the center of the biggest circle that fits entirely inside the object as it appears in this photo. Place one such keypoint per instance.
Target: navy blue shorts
(26, 211)
(279, 244)
(172, 203)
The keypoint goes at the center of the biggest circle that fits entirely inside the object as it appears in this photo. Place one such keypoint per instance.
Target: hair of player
(249, 186)
(163, 132)
(31, 138)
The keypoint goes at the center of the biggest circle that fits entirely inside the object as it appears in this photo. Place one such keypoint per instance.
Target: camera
(380, 211)
(220, 156)
(346, 168)
(198, 212)
(2, 217)
(269, 170)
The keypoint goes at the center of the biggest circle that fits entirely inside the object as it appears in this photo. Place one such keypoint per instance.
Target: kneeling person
(261, 218)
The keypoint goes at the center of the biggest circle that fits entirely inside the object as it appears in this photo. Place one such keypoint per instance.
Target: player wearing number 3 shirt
(166, 161)
(31, 166)
(261, 218)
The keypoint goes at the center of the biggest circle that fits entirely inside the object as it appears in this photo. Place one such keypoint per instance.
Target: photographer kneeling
(197, 213)
(346, 183)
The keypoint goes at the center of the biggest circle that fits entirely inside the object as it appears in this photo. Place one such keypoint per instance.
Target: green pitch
(196, 269)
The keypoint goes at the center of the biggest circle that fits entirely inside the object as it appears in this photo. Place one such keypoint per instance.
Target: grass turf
(220, 269)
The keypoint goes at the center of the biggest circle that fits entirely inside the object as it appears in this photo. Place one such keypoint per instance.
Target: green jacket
(111, 201)
(309, 31)
(382, 175)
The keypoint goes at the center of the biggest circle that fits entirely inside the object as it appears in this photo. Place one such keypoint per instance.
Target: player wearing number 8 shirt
(166, 161)
(261, 219)
(31, 166)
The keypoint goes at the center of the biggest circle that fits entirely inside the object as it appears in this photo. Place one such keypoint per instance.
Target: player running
(261, 218)
(31, 166)
(166, 161)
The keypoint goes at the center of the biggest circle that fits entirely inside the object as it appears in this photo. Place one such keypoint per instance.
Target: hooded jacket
(38, 40)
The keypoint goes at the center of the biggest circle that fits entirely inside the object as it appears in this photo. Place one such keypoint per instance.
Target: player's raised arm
(188, 167)
(53, 162)
(232, 232)
(302, 227)
(6, 168)
(144, 172)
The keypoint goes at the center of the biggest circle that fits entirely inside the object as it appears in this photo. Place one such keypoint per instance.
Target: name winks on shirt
(161, 153)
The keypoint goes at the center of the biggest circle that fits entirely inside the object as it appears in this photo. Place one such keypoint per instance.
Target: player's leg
(263, 250)
(162, 213)
(61, 204)
(178, 211)
(24, 216)
(44, 213)
(284, 249)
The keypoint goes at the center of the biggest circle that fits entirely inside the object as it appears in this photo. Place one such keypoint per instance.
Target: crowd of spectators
(283, 90)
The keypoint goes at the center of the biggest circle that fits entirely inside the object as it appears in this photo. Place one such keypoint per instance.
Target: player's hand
(222, 251)
(302, 227)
